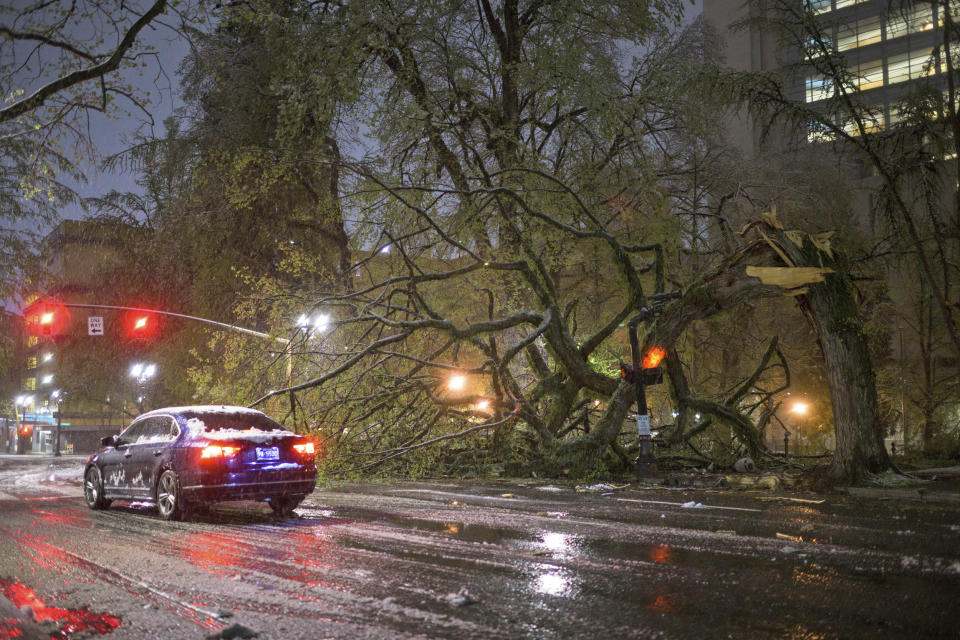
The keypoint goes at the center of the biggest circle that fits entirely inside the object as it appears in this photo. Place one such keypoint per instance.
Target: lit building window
(871, 123)
(819, 6)
(32, 341)
(913, 21)
(858, 34)
(32, 362)
(818, 88)
(29, 384)
(818, 132)
(869, 75)
(911, 65)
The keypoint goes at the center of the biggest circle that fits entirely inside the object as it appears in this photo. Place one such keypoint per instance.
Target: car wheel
(283, 507)
(170, 502)
(93, 489)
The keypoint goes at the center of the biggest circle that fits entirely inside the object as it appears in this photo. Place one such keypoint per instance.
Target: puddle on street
(68, 621)
(459, 530)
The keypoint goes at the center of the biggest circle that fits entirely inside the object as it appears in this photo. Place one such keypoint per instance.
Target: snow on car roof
(227, 421)
(209, 408)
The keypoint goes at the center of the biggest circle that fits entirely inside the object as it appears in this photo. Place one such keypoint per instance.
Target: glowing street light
(457, 382)
(319, 323)
(483, 405)
(143, 371)
(800, 408)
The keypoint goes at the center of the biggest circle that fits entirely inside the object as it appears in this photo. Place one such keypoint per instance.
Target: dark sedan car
(183, 457)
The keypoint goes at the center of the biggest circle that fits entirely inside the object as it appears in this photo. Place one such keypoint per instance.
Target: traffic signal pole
(286, 342)
(646, 464)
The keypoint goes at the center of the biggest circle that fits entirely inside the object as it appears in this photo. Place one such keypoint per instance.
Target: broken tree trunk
(831, 308)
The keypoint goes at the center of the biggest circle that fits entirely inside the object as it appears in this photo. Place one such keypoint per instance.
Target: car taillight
(305, 448)
(218, 451)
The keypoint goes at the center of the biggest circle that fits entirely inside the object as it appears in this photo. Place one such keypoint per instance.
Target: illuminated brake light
(218, 451)
(305, 448)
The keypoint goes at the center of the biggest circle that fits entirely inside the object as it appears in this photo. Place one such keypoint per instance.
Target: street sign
(643, 425)
(95, 325)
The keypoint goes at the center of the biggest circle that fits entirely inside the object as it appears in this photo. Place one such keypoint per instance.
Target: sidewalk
(26, 459)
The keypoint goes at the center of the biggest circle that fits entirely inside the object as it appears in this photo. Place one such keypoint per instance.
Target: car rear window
(232, 424)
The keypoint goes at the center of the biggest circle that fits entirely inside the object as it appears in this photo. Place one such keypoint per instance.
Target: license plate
(268, 453)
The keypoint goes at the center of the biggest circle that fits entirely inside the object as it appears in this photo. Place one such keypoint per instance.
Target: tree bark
(832, 310)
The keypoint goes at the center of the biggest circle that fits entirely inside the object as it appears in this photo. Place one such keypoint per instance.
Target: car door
(114, 462)
(142, 454)
(147, 453)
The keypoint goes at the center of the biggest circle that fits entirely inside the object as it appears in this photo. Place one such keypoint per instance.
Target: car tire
(170, 502)
(283, 507)
(93, 489)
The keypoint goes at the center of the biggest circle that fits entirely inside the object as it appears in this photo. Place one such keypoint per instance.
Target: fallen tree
(533, 375)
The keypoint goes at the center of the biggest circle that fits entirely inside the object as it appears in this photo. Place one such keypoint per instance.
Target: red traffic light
(46, 318)
(654, 357)
(140, 324)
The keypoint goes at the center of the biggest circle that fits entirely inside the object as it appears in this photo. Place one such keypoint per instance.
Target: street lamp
(141, 372)
(799, 409)
(457, 382)
(319, 323)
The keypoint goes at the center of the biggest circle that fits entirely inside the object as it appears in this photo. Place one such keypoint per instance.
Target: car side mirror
(110, 441)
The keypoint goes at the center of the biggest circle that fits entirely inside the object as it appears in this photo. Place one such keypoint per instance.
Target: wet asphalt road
(537, 560)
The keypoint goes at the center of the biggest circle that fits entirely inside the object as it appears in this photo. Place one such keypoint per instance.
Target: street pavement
(479, 559)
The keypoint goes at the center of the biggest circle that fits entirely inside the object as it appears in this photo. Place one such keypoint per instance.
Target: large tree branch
(41, 95)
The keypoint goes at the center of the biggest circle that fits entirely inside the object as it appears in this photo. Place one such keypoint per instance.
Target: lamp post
(57, 395)
(799, 409)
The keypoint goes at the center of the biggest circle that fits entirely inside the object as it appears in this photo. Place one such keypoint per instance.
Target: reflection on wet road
(393, 561)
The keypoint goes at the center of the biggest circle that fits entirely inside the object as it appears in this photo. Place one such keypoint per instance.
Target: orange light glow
(47, 318)
(661, 554)
(654, 357)
(305, 448)
(457, 383)
(218, 451)
(140, 323)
